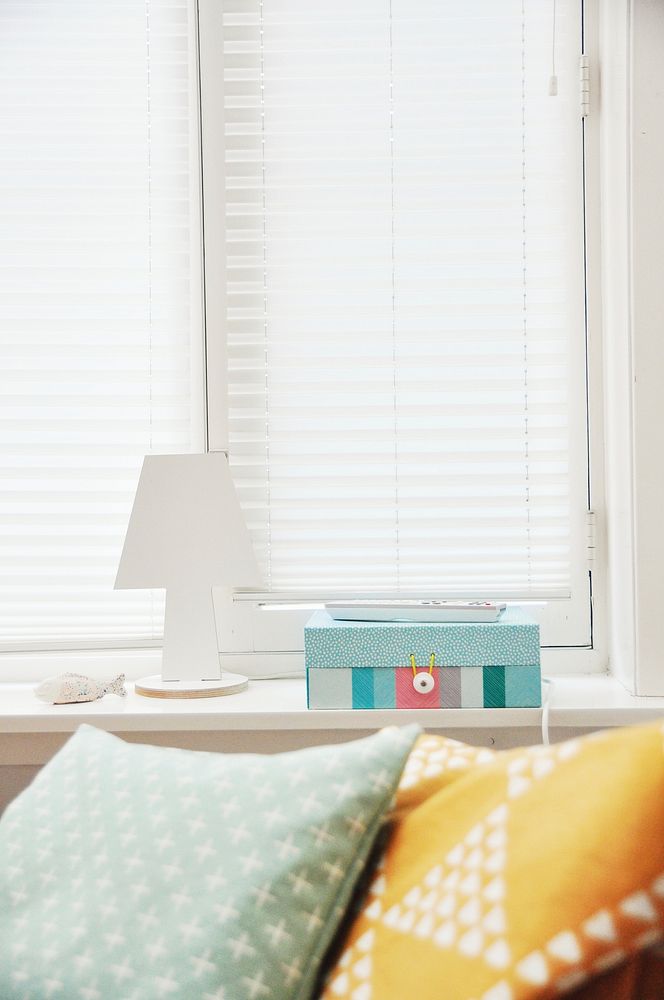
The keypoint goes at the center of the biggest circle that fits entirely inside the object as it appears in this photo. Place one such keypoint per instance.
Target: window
(394, 263)
(404, 298)
(100, 305)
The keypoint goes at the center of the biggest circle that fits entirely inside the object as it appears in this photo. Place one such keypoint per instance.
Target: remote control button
(423, 683)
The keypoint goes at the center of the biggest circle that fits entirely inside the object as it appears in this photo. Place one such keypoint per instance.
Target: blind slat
(99, 290)
(404, 294)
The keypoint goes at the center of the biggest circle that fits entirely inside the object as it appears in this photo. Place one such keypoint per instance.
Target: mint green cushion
(133, 872)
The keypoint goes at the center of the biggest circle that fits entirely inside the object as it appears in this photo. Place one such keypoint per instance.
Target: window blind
(99, 303)
(404, 279)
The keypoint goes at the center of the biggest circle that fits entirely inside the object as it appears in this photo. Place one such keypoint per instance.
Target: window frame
(632, 151)
(13, 653)
(244, 626)
(245, 642)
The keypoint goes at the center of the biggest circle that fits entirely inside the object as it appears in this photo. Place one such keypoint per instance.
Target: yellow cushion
(433, 763)
(521, 875)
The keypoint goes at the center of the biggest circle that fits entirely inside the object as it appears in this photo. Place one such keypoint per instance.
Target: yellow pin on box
(381, 665)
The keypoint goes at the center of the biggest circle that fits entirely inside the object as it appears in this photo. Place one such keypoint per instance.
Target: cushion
(524, 875)
(432, 764)
(142, 872)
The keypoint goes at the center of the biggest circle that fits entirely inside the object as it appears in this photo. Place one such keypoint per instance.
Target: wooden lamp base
(156, 687)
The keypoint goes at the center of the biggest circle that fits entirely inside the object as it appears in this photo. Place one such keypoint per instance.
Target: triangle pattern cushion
(516, 875)
(143, 872)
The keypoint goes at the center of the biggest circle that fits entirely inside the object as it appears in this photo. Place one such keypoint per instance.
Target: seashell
(66, 689)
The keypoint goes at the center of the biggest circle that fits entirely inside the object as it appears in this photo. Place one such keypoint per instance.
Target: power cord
(547, 690)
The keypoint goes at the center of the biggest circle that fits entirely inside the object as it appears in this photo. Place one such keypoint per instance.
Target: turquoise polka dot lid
(513, 639)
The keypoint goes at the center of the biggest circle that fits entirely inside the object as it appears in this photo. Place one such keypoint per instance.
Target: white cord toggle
(423, 682)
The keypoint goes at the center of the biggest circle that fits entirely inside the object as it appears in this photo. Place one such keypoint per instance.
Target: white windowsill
(278, 705)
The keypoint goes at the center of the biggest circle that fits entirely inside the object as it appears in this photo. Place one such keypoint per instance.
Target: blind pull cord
(553, 79)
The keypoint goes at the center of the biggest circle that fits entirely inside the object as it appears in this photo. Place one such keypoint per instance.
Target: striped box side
(363, 688)
(450, 690)
(330, 688)
(384, 688)
(523, 687)
(494, 687)
(472, 687)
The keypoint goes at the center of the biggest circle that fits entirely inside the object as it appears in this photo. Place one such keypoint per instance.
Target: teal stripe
(363, 688)
(494, 687)
(384, 685)
(523, 687)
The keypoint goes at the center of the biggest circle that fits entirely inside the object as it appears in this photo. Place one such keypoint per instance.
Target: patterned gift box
(471, 665)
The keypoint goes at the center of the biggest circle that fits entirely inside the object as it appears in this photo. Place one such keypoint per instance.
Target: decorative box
(353, 664)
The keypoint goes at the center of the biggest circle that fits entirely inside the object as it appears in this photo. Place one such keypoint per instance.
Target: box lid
(513, 640)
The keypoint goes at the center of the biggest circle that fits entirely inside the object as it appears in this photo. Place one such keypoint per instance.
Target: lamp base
(156, 687)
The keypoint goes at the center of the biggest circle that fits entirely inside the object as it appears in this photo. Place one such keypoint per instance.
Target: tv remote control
(415, 611)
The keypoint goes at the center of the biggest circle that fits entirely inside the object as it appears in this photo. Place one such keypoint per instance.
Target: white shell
(66, 689)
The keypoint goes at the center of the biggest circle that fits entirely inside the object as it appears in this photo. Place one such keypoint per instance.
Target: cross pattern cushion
(133, 872)
(521, 875)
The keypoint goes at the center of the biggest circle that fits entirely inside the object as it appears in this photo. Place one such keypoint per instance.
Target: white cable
(547, 691)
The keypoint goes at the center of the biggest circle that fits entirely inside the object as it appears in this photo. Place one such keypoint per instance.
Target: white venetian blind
(404, 233)
(99, 299)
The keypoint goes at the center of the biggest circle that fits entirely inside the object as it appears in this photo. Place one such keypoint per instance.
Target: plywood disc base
(155, 687)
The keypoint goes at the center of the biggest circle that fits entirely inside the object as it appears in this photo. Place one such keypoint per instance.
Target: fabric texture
(337, 644)
(132, 872)
(514, 876)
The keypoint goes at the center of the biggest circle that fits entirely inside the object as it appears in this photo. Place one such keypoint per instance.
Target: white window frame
(625, 301)
(263, 641)
(15, 654)
(260, 628)
(632, 40)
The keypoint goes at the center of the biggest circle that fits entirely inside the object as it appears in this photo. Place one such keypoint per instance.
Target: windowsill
(583, 702)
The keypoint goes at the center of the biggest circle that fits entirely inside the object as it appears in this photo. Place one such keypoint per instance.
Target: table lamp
(187, 533)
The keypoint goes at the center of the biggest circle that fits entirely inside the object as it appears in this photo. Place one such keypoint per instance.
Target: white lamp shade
(186, 527)
(187, 533)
